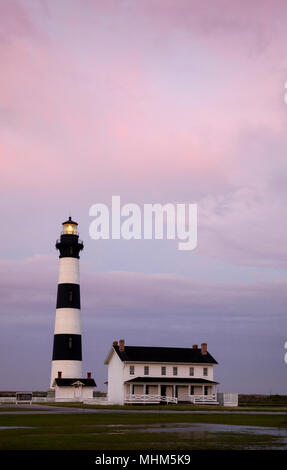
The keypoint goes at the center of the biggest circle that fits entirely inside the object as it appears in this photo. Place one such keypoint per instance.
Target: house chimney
(59, 375)
(194, 346)
(204, 349)
(115, 343)
(122, 345)
(89, 375)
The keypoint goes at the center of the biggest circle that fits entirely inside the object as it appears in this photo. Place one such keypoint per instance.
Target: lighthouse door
(78, 392)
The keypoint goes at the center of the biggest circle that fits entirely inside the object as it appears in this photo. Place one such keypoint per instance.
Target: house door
(163, 390)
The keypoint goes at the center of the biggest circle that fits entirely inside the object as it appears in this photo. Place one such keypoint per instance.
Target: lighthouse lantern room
(70, 227)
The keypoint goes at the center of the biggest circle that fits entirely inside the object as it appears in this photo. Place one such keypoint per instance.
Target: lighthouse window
(70, 296)
(70, 343)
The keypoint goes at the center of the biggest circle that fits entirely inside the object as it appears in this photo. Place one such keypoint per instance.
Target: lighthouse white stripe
(68, 321)
(69, 271)
(69, 369)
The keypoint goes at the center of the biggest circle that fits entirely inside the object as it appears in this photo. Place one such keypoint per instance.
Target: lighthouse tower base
(72, 389)
(69, 369)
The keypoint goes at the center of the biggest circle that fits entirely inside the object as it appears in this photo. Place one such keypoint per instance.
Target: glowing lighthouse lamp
(66, 373)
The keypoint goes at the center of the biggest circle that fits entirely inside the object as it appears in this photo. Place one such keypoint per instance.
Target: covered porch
(164, 390)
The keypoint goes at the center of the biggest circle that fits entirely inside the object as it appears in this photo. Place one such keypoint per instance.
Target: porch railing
(203, 398)
(97, 401)
(137, 398)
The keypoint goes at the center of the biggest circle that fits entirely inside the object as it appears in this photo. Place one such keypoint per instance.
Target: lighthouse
(66, 373)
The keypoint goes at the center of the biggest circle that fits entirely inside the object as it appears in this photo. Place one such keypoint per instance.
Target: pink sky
(190, 109)
(75, 87)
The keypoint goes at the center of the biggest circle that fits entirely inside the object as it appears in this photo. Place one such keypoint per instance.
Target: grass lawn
(131, 431)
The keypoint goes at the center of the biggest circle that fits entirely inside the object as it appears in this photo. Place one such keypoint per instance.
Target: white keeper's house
(139, 374)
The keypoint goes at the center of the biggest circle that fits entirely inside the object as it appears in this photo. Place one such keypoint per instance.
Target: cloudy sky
(161, 101)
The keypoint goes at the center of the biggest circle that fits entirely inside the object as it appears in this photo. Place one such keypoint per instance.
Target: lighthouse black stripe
(67, 347)
(68, 296)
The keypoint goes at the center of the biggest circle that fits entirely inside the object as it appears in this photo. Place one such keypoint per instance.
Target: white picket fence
(225, 399)
(34, 400)
(228, 399)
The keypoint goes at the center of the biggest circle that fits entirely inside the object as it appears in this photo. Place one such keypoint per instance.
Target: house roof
(164, 354)
(176, 380)
(70, 382)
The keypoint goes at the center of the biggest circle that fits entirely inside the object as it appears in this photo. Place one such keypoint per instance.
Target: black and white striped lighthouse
(67, 349)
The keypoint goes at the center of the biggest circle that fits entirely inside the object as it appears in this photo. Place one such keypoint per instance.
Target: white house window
(174, 370)
(205, 371)
(163, 370)
(191, 371)
(132, 370)
(191, 390)
(146, 370)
